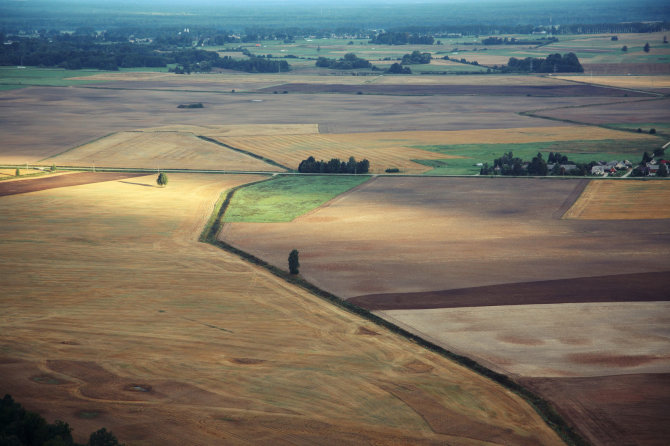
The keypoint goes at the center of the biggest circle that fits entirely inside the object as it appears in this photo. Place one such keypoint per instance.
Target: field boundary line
(77, 146)
(571, 199)
(337, 198)
(246, 152)
(543, 408)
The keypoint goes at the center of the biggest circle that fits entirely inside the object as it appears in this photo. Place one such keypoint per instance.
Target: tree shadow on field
(139, 184)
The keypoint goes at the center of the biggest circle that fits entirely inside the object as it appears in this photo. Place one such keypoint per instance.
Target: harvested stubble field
(409, 234)
(38, 121)
(399, 149)
(159, 149)
(642, 82)
(621, 200)
(113, 315)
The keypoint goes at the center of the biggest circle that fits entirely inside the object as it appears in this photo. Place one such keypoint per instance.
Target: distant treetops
(335, 165)
(553, 63)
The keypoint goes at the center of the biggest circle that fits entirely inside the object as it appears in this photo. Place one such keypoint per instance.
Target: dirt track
(644, 287)
(74, 179)
(613, 410)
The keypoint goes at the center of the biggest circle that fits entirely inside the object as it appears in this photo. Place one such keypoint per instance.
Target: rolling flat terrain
(483, 267)
(131, 324)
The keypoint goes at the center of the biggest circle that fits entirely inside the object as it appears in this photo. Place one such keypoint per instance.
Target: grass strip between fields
(540, 405)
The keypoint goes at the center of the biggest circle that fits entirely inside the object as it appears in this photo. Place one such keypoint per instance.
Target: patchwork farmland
(164, 339)
(114, 315)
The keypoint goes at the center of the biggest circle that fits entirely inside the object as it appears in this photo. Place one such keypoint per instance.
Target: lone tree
(624, 48)
(17, 172)
(293, 262)
(162, 179)
(646, 47)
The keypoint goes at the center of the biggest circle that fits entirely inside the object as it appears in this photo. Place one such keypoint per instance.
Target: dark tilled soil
(643, 287)
(74, 179)
(612, 410)
(457, 90)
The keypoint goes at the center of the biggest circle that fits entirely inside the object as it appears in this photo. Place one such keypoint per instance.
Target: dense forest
(349, 62)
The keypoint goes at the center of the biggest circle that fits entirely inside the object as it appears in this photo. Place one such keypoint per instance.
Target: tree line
(335, 165)
(19, 427)
(508, 164)
(349, 62)
(402, 38)
(553, 63)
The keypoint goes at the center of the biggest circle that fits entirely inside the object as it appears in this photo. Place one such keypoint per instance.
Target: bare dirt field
(624, 409)
(588, 339)
(397, 235)
(38, 121)
(159, 149)
(616, 200)
(51, 182)
(638, 112)
(641, 287)
(113, 315)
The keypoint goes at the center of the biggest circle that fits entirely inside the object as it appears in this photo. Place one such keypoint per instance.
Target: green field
(286, 197)
(578, 151)
(662, 128)
(12, 77)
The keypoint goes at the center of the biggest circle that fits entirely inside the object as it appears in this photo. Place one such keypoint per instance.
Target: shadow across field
(75, 179)
(643, 287)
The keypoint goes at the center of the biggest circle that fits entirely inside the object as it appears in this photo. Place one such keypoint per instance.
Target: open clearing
(624, 113)
(159, 149)
(616, 200)
(131, 324)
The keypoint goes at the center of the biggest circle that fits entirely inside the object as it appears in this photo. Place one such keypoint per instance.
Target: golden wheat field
(158, 149)
(382, 152)
(131, 324)
(622, 200)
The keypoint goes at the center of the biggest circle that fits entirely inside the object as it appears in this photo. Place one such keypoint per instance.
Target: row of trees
(335, 165)
(514, 41)
(554, 63)
(508, 164)
(21, 427)
(416, 58)
(402, 38)
(87, 52)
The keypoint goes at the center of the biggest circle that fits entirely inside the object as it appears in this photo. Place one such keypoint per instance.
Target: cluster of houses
(652, 167)
(603, 167)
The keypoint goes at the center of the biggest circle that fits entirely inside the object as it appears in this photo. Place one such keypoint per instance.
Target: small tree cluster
(294, 262)
(310, 165)
(349, 62)
(396, 68)
(162, 179)
(21, 427)
(415, 58)
(554, 63)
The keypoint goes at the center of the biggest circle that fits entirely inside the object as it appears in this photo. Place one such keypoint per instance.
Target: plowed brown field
(114, 315)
